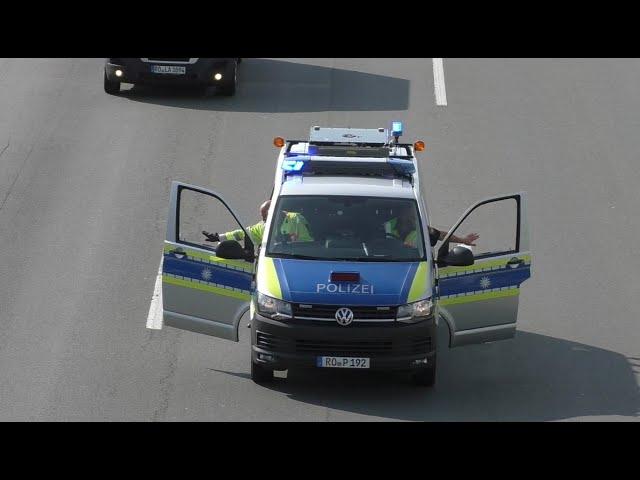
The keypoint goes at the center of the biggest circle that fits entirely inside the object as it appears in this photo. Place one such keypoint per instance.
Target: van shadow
(530, 378)
(272, 86)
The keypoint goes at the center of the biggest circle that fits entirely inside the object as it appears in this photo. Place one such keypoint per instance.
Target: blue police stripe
(192, 269)
(506, 277)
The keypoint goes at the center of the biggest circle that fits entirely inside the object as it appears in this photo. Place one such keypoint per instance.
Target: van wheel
(110, 86)
(261, 374)
(230, 85)
(425, 377)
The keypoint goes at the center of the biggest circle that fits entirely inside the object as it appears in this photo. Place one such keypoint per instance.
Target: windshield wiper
(361, 259)
(343, 259)
(294, 255)
(388, 258)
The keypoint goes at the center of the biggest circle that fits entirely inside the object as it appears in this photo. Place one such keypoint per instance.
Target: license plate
(171, 69)
(342, 362)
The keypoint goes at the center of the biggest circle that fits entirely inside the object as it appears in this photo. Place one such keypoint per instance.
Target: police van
(345, 274)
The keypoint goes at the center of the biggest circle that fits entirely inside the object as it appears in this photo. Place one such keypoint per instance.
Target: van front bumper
(298, 343)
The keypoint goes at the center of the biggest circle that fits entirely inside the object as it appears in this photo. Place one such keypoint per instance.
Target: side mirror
(458, 257)
(232, 250)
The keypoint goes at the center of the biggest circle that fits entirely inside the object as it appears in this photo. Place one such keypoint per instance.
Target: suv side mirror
(232, 250)
(458, 257)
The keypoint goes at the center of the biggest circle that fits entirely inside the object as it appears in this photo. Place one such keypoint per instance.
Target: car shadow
(530, 378)
(276, 86)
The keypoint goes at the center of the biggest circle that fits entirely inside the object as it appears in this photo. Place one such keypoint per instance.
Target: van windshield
(352, 228)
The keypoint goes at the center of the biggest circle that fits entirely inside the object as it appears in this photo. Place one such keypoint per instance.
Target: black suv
(198, 72)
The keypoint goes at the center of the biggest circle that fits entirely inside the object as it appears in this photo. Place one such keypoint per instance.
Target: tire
(425, 377)
(110, 86)
(230, 85)
(261, 374)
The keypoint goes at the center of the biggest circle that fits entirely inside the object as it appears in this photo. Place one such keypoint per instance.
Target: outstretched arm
(466, 240)
(215, 237)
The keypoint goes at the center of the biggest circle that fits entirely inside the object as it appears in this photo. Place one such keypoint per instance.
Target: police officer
(404, 228)
(294, 225)
(255, 231)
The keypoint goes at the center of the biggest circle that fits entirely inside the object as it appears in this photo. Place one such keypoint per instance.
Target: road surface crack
(166, 385)
(15, 179)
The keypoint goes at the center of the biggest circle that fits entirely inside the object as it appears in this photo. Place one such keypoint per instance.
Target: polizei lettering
(344, 288)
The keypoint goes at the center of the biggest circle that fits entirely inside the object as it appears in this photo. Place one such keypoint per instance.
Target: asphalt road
(84, 180)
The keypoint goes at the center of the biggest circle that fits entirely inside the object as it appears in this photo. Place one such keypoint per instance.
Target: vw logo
(344, 316)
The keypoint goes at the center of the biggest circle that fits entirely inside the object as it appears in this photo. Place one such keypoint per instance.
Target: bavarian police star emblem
(485, 282)
(206, 274)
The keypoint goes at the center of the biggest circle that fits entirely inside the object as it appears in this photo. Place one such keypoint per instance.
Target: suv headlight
(273, 308)
(415, 312)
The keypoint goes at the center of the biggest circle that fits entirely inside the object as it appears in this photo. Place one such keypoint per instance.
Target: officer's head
(408, 216)
(264, 209)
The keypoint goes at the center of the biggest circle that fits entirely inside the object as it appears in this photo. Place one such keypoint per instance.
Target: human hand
(469, 239)
(211, 237)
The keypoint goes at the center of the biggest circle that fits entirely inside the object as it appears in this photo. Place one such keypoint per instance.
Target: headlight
(273, 308)
(415, 312)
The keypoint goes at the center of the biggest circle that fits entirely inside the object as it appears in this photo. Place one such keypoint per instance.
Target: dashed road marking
(438, 82)
(154, 318)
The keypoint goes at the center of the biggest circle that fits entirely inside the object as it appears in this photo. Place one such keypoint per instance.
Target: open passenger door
(202, 292)
(480, 301)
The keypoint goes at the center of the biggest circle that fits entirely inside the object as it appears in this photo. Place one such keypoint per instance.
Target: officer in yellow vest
(404, 228)
(294, 225)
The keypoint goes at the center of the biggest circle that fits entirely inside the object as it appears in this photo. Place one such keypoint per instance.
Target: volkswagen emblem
(344, 316)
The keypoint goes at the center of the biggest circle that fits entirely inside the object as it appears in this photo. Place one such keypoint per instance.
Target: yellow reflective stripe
(268, 282)
(481, 265)
(240, 264)
(206, 288)
(419, 284)
(479, 297)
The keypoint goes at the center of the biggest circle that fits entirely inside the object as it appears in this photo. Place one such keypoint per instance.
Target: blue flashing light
(402, 166)
(292, 165)
(396, 129)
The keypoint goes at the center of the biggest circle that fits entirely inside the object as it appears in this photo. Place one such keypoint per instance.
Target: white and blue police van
(345, 274)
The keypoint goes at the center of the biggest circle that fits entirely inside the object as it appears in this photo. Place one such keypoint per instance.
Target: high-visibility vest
(294, 224)
(411, 240)
(255, 233)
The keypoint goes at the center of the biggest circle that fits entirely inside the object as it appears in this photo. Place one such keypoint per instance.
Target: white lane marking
(154, 319)
(438, 82)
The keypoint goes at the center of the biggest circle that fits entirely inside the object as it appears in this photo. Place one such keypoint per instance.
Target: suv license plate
(342, 362)
(171, 69)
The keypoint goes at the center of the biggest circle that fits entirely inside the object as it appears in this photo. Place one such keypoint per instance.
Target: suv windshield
(346, 228)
